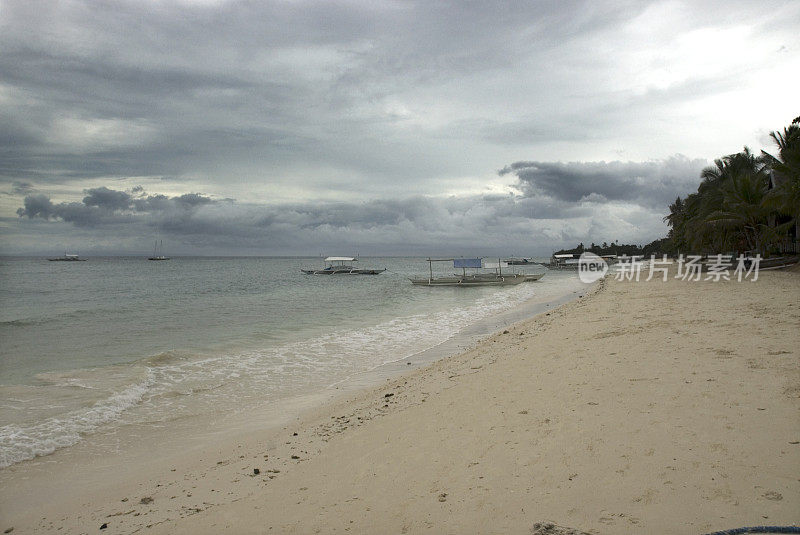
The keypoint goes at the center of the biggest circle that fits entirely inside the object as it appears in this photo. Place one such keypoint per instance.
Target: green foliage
(657, 247)
(743, 202)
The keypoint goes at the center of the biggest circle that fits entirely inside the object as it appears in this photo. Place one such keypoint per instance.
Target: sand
(649, 407)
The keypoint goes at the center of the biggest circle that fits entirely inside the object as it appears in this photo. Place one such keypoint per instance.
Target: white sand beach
(649, 407)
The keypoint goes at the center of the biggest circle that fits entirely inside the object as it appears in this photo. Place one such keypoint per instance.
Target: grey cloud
(652, 184)
(37, 206)
(192, 199)
(386, 104)
(19, 187)
(197, 224)
(264, 82)
(81, 215)
(107, 198)
(103, 207)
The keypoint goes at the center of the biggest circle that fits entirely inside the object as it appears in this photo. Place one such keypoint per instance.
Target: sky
(293, 127)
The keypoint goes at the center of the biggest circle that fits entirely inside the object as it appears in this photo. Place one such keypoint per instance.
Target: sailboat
(157, 256)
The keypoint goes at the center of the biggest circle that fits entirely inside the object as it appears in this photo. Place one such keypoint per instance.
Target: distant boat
(67, 258)
(518, 261)
(572, 261)
(157, 256)
(341, 265)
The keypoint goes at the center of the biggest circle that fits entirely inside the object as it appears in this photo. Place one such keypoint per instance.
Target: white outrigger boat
(67, 258)
(497, 278)
(341, 265)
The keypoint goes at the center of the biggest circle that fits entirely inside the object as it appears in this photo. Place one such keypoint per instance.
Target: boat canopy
(467, 263)
(563, 256)
(340, 259)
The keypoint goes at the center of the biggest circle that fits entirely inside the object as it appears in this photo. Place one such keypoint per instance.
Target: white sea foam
(20, 442)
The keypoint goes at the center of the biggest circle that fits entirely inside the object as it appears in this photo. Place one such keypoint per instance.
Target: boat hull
(342, 271)
(67, 258)
(469, 281)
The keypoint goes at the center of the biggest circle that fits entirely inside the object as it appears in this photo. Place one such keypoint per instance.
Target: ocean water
(89, 346)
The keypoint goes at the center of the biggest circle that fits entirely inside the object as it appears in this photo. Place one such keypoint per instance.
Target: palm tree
(676, 221)
(745, 211)
(785, 197)
(702, 230)
(743, 200)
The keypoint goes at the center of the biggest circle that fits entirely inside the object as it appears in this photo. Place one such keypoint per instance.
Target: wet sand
(650, 407)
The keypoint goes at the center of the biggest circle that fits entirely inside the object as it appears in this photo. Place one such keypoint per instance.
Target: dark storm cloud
(38, 206)
(650, 184)
(385, 104)
(197, 223)
(103, 207)
(185, 86)
(107, 198)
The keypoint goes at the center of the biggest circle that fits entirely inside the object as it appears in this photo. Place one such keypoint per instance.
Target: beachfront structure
(570, 261)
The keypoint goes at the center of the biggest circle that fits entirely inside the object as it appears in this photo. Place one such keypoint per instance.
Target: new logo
(591, 267)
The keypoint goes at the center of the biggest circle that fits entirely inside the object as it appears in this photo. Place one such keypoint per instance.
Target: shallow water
(87, 346)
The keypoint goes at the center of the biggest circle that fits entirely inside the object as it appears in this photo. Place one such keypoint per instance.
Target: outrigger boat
(67, 258)
(341, 265)
(514, 261)
(499, 265)
(467, 280)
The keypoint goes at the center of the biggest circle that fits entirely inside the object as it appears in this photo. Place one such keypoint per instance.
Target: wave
(44, 320)
(23, 442)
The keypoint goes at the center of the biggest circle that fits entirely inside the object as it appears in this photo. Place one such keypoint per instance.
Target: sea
(87, 348)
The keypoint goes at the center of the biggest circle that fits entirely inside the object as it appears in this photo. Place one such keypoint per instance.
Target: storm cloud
(102, 207)
(196, 223)
(373, 119)
(652, 184)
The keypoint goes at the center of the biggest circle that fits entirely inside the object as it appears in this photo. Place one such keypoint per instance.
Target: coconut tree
(785, 196)
(745, 210)
(676, 221)
(703, 231)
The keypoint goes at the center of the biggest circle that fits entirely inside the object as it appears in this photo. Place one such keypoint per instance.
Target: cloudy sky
(374, 127)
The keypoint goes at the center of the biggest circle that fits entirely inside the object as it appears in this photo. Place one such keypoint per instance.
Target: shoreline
(108, 449)
(173, 384)
(404, 456)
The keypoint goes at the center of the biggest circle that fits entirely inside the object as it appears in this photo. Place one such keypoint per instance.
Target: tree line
(656, 247)
(745, 202)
